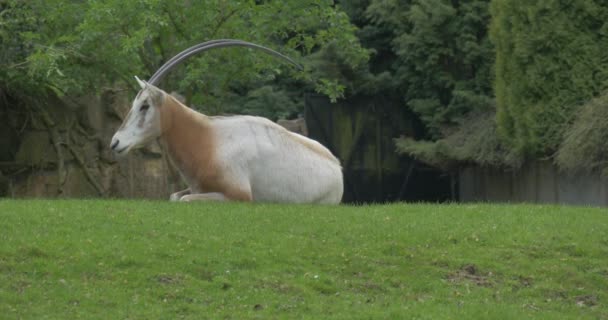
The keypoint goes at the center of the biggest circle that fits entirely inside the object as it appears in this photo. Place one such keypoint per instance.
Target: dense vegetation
(443, 57)
(549, 59)
(65, 47)
(161, 260)
(552, 57)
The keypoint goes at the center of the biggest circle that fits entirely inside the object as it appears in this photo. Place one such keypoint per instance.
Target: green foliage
(443, 57)
(474, 141)
(331, 63)
(161, 260)
(268, 101)
(552, 56)
(75, 47)
(585, 145)
(25, 62)
(435, 58)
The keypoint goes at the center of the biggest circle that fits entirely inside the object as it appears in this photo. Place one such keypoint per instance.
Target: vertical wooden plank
(499, 185)
(604, 181)
(379, 192)
(546, 182)
(465, 179)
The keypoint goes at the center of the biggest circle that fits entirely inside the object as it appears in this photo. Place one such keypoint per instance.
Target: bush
(443, 57)
(474, 142)
(585, 146)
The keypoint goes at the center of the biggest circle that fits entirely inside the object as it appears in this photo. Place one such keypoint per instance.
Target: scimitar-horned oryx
(242, 158)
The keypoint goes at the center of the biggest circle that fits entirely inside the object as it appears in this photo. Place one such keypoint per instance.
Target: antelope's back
(278, 165)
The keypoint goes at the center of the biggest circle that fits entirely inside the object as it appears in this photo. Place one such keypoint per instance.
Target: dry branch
(56, 141)
(90, 176)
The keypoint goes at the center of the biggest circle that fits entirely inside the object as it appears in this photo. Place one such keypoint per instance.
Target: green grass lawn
(68, 259)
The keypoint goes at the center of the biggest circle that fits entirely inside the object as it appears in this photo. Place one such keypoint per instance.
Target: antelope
(235, 158)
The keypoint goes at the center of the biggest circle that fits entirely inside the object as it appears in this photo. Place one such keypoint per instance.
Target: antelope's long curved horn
(179, 58)
(161, 71)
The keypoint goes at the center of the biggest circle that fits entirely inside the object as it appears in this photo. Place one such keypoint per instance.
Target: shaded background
(461, 100)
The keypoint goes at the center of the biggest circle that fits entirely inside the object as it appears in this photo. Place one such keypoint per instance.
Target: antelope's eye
(144, 107)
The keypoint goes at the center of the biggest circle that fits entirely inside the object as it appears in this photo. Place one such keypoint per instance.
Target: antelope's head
(143, 122)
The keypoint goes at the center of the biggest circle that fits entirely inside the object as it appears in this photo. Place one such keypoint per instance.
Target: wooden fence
(535, 182)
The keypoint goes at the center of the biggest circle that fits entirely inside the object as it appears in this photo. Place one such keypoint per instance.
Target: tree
(443, 57)
(436, 59)
(552, 56)
(74, 47)
(585, 143)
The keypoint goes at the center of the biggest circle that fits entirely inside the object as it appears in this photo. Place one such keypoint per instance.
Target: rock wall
(71, 158)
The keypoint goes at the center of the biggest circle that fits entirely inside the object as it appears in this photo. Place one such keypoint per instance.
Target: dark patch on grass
(244, 264)
(521, 282)
(588, 300)
(168, 279)
(440, 263)
(538, 252)
(203, 274)
(396, 284)
(291, 304)
(176, 297)
(471, 273)
(32, 253)
(20, 286)
(325, 287)
(127, 263)
(166, 255)
(394, 250)
(278, 286)
(258, 307)
(367, 287)
(525, 281)
(152, 234)
(558, 295)
(386, 263)
(106, 303)
(90, 276)
(572, 250)
(5, 266)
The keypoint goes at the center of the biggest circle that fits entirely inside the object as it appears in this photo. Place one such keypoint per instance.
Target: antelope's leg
(211, 196)
(178, 195)
(231, 195)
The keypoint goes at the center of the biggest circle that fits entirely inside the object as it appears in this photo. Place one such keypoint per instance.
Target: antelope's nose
(114, 144)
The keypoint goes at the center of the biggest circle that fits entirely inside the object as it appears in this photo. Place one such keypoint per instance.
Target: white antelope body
(231, 158)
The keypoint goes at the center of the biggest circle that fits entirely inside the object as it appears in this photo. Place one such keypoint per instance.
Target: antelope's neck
(188, 138)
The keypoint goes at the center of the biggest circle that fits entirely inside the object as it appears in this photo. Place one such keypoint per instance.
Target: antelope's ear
(156, 94)
(142, 84)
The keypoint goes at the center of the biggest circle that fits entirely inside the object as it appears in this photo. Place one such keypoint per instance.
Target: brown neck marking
(189, 138)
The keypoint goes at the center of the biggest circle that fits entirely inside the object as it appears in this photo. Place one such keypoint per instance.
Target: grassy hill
(89, 259)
